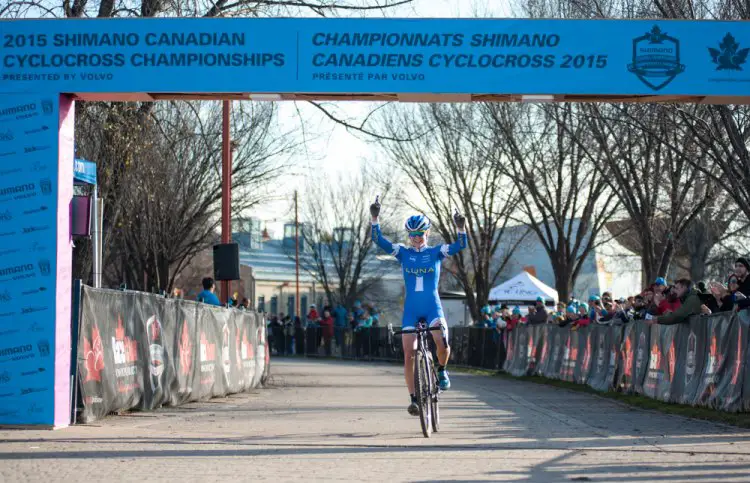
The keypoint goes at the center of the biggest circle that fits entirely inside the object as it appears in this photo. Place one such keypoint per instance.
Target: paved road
(338, 421)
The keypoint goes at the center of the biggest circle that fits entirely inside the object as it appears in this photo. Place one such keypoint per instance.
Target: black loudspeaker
(227, 261)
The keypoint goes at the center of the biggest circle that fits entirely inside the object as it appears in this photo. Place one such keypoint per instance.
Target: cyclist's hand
(375, 208)
(459, 220)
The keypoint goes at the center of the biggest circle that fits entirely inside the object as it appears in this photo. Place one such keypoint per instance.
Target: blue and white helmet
(417, 223)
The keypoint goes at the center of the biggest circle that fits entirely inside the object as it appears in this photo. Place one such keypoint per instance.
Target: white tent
(524, 288)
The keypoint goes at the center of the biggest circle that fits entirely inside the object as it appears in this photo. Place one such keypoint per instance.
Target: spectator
(582, 320)
(312, 315)
(639, 307)
(670, 302)
(539, 316)
(207, 296)
(245, 304)
(326, 324)
(558, 316)
(339, 323)
(741, 270)
(485, 321)
(375, 314)
(515, 319)
(660, 285)
(690, 305)
(571, 314)
(725, 296)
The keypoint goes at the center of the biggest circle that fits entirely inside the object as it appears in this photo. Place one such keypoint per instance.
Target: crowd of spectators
(325, 328)
(659, 303)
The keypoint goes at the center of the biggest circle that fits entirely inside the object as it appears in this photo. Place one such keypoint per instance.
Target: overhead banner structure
(377, 56)
(701, 362)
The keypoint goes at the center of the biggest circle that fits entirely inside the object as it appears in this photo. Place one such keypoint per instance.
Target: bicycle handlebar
(415, 331)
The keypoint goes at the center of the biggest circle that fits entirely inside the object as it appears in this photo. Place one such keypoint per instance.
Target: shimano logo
(32, 229)
(5, 297)
(14, 190)
(4, 377)
(31, 310)
(6, 215)
(34, 131)
(16, 269)
(10, 111)
(6, 136)
(30, 390)
(36, 210)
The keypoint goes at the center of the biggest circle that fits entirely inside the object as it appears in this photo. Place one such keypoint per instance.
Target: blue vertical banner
(28, 258)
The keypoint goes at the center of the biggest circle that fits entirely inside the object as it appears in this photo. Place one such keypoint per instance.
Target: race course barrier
(700, 363)
(141, 351)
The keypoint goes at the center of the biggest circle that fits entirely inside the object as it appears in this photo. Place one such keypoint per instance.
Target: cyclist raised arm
(420, 264)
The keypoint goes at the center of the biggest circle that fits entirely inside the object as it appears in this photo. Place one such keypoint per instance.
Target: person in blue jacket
(420, 265)
(207, 296)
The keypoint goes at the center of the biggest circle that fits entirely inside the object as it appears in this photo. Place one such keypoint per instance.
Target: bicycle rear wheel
(422, 392)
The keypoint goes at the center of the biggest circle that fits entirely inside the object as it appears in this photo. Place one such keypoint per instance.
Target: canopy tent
(522, 289)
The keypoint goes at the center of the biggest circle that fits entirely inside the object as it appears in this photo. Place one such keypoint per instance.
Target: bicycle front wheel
(422, 392)
(434, 408)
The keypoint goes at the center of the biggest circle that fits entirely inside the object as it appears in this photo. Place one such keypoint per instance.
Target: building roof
(272, 261)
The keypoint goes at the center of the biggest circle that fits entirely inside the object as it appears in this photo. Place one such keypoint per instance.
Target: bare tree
(646, 163)
(338, 251)
(201, 8)
(163, 204)
(563, 197)
(448, 168)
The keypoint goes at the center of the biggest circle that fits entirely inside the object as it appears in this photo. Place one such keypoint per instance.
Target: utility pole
(296, 252)
(226, 188)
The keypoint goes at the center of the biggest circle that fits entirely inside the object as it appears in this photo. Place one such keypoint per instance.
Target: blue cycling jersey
(421, 269)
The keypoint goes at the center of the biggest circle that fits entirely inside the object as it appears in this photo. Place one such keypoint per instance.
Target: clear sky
(331, 147)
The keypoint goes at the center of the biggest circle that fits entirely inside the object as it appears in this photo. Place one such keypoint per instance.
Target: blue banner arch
(378, 57)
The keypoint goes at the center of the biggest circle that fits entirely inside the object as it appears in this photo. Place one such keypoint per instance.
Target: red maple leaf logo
(120, 330)
(155, 329)
(186, 350)
(94, 356)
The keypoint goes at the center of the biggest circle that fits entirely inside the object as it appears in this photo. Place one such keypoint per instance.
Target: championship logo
(656, 58)
(600, 353)
(226, 361)
(555, 350)
(156, 350)
(531, 353)
(640, 353)
(586, 364)
(690, 365)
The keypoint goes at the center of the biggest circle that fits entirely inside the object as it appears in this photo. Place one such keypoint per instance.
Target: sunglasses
(733, 281)
(413, 234)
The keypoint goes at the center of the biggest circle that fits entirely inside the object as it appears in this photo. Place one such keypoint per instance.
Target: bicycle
(426, 387)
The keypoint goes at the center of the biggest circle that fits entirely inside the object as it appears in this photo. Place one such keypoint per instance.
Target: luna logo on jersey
(419, 271)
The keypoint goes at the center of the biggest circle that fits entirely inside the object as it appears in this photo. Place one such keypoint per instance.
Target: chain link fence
(470, 346)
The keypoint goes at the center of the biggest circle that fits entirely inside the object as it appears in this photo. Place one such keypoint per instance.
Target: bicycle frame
(425, 380)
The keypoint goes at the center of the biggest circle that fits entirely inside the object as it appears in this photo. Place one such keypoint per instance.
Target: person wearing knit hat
(741, 270)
